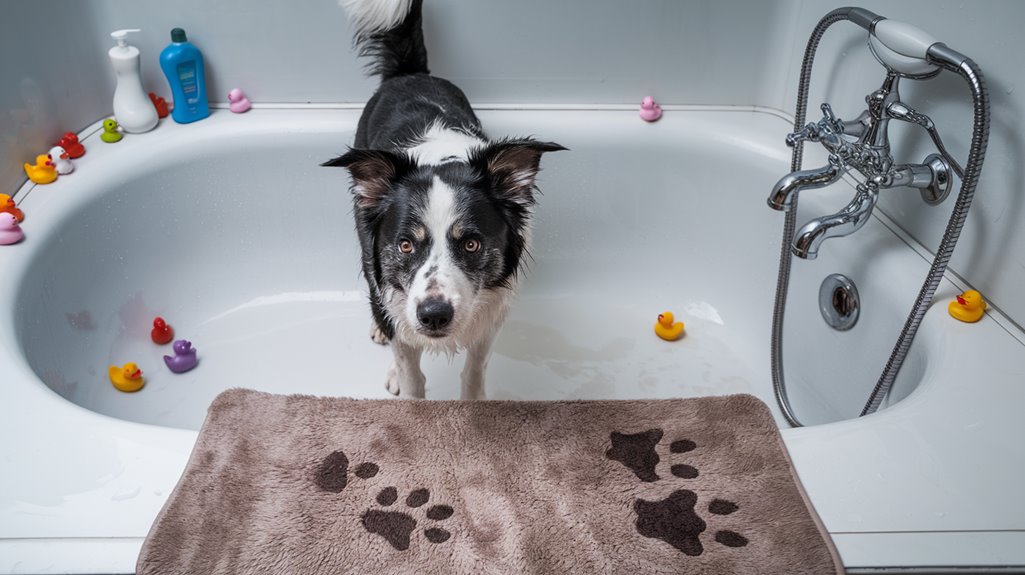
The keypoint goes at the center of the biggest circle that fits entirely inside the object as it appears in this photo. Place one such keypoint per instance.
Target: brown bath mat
(305, 485)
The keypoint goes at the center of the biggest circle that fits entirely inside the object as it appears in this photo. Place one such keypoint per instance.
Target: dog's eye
(472, 245)
(406, 246)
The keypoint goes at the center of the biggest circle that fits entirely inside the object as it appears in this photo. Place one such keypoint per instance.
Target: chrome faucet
(782, 195)
(861, 146)
(843, 223)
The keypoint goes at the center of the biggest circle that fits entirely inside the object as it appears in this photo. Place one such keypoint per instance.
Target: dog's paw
(391, 382)
(377, 335)
(413, 388)
(474, 393)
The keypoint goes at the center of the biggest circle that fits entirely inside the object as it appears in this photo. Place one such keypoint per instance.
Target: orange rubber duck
(666, 329)
(967, 307)
(127, 378)
(43, 172)
(162, 333)
(7, 206)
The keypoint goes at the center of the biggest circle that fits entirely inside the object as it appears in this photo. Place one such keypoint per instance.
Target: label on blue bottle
(187, 77)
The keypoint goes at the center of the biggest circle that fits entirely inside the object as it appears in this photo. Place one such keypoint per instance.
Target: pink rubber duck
(239, 102)
(10, 231)
(650, 111)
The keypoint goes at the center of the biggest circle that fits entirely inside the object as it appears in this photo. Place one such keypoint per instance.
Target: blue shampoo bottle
(182, 63)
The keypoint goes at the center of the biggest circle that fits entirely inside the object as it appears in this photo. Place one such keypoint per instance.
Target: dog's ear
(512, 166)
(373, 173)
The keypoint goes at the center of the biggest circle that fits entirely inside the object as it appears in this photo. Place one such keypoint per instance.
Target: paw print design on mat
(637, 452)
(397, 527)
(333, 473)
(674, 519)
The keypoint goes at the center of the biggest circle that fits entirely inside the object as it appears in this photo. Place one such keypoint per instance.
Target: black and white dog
(442, 212)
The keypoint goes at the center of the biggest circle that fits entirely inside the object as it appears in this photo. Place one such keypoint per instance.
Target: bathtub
(230, 230)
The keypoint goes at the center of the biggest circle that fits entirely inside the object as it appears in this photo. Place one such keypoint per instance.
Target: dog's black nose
(435, 314)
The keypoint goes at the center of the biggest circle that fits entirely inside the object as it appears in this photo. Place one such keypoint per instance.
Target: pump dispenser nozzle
(120, 36)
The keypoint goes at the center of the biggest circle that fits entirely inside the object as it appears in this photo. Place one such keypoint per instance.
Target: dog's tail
(390, 32)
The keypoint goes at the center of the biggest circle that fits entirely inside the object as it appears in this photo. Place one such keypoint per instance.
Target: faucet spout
(782, 196)
(843, 223)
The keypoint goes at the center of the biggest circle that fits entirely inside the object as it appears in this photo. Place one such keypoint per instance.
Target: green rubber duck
(110, 133)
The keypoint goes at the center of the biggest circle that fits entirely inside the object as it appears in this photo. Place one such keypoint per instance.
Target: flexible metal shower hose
(976, 154)
(790, 218)
(980, 135)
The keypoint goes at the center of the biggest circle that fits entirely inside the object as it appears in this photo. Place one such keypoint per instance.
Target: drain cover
(838, 301)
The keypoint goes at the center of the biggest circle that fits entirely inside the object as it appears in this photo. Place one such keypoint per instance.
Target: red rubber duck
(71, 145)
(162, 333)
(160, 104)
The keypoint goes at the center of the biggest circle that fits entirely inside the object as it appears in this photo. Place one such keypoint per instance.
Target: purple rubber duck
(184, 357)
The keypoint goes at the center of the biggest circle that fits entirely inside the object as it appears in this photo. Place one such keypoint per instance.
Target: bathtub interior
(247, 247)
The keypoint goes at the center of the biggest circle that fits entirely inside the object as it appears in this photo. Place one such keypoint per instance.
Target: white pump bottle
(133, 109)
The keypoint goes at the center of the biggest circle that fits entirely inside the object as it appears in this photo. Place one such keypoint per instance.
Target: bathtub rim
(804, 444)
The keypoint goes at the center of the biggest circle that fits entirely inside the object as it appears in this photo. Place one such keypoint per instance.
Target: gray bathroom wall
(728, 52)
(57, 76)
(53, 80)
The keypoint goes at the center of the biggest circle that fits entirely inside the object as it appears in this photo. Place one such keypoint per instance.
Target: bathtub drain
(838, 301)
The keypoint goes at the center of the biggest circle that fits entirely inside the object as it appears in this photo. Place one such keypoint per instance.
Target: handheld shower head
(902, 48)
(905, 49)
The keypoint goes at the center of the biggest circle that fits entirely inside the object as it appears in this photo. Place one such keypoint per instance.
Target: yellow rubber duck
(666, 329)
(127, 378)
(967, 307)
(43, 172)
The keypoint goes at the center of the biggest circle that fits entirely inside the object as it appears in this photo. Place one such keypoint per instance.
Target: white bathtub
(230, 230)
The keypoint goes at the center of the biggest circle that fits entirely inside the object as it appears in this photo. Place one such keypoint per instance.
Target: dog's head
(439, 238)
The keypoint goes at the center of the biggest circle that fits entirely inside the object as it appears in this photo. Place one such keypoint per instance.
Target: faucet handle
(827, 112)
(830, 121)
(824, 129)
(901, 111)
(809, 132)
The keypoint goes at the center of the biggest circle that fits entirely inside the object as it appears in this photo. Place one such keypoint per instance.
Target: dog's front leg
(473, 371)
(405, 379)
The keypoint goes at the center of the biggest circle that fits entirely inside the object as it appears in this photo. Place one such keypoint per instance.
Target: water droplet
(126, 494)
(1009, 90)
